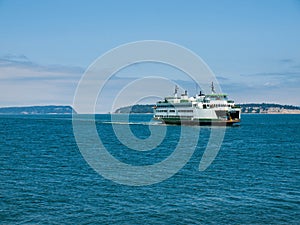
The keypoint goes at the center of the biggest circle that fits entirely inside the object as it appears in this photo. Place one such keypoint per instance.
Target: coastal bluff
(35, 110)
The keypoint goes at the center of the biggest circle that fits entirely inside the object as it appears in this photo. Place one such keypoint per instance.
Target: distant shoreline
(247, 108)
(37, 110)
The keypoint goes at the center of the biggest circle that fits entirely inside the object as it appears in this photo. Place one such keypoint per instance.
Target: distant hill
(136, 109)
(264, 108)
(51, 109)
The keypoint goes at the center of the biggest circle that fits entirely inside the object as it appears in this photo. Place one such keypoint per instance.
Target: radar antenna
(213, 88)
(176, 90)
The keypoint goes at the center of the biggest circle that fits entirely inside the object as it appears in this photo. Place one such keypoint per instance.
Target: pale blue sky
(252, 46)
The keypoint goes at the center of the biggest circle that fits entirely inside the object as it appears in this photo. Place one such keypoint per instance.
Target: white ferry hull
(213, 109)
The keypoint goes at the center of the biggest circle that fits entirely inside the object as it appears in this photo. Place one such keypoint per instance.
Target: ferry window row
(215, 105)
(188, 110)
(173, 111)
(174, 106)
(173, 116)
(161, 110)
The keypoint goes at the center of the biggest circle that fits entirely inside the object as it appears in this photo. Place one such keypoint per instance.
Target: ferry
(202, 109)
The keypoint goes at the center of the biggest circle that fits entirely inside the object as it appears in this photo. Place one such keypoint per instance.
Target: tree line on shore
(246, 108)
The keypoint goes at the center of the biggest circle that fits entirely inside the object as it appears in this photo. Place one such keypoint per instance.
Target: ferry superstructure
(203, 109)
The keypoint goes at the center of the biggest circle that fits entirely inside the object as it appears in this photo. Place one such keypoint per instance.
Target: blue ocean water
(255, 178)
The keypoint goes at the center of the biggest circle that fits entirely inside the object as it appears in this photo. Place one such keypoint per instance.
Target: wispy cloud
(275, 74)
(273, 79)
(222, 78)
(286, 61)
(23, 82)
(20, 68)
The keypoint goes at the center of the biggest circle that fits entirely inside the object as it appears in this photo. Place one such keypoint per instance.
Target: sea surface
(255, 178)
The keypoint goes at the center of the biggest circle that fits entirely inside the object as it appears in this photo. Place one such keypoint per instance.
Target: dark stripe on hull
(200, 122)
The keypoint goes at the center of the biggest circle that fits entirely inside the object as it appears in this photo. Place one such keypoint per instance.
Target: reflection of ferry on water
(210, 109)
